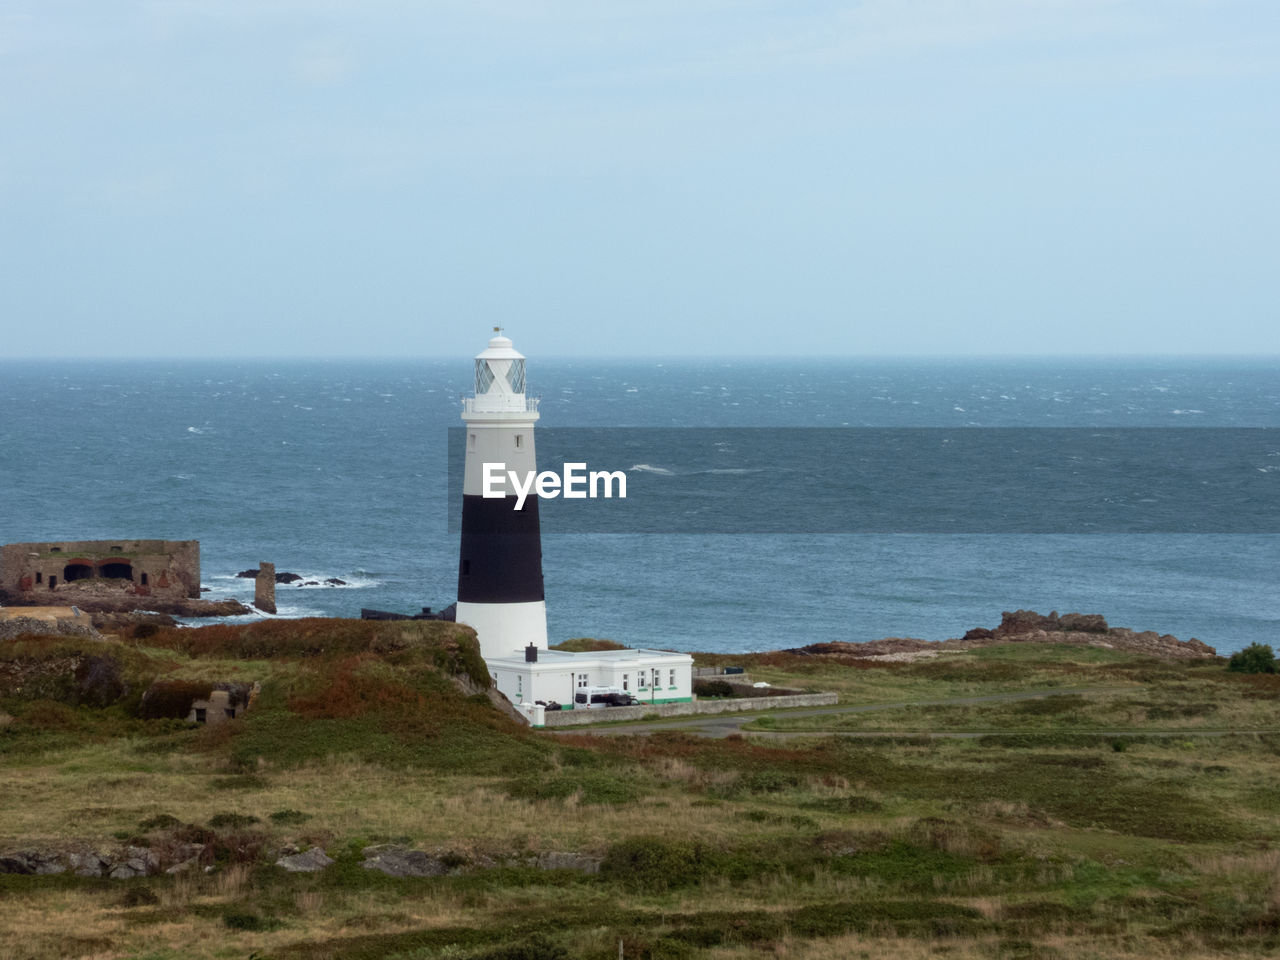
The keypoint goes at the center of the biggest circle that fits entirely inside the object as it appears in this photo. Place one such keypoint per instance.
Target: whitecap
(352, 581)
(648, 468)
(194, 430)
(1181, 412)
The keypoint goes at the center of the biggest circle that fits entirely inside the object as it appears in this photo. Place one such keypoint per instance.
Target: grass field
(1041, 837)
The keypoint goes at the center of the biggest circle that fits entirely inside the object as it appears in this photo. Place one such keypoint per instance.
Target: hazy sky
(369, 177)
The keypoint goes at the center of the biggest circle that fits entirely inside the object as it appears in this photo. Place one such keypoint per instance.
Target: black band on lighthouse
(501, 552)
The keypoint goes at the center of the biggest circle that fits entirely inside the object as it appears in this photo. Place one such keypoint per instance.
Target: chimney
(531, 653)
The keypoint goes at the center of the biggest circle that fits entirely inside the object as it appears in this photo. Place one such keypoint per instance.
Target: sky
(277, 178)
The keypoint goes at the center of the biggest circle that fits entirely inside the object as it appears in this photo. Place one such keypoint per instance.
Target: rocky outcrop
(46, 626)
(1023, 626)
(124, 863)
(174, 607)
(115, 621)
(394, 860)
(398, 861)
(309, 861)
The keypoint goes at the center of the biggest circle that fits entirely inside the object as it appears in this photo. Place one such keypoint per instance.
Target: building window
(230, 712)
(144, 579)
(582, 679)
(39, 577)
(520, 686)
(657, 676)
(53, 582)
(626, 681)
(673, 677)
(55, 549)
(200, 715)
(640, 684)
(117, 549)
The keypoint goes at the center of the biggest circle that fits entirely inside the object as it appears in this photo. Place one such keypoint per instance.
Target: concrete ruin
(62, 571)
(225, 702)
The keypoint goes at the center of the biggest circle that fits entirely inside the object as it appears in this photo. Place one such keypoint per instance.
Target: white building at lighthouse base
(651, 676)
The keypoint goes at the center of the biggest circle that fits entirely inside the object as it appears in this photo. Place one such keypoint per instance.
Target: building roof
(564, 659)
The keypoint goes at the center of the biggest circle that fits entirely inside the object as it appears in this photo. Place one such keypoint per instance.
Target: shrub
(1255, 658)
(234, 820)
(656, 863)
(245, 920)
(713, 688)
(587, 645)
(594, 786)
(161, 821)
(537, 947)
(289, 817)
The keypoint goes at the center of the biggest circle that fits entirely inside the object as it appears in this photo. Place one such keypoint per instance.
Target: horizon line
(654, 357)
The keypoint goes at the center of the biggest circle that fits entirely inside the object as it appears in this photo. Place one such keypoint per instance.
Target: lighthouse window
(471, 441)
(484, 377)
(519, 441)
(515, 376)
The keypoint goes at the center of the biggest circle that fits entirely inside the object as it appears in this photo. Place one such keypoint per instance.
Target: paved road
(727, 724)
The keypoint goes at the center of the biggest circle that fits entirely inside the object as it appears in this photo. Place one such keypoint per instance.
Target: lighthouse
(500, 590)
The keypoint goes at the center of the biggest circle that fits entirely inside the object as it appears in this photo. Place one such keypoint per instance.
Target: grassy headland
(1045, 834)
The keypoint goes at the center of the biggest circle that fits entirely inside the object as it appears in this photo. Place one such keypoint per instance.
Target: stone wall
(61, 572)
(572, 718)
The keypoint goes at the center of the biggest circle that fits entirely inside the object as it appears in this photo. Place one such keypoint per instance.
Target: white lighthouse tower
(500, 590)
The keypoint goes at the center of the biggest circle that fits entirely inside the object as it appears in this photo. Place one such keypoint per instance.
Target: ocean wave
(316, 581)
(1180, 412)
(649, 468)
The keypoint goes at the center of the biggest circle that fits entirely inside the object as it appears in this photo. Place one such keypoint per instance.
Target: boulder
(248, 574)
(335, 582)
(87, 863)
(310, 861)
(287, 577)
(134, 862)
(398, 861)
(1083, 622)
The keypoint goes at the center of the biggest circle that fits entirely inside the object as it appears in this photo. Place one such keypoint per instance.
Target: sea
(340, 469)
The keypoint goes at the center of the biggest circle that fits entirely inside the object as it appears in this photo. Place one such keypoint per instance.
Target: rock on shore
(1024, 626)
